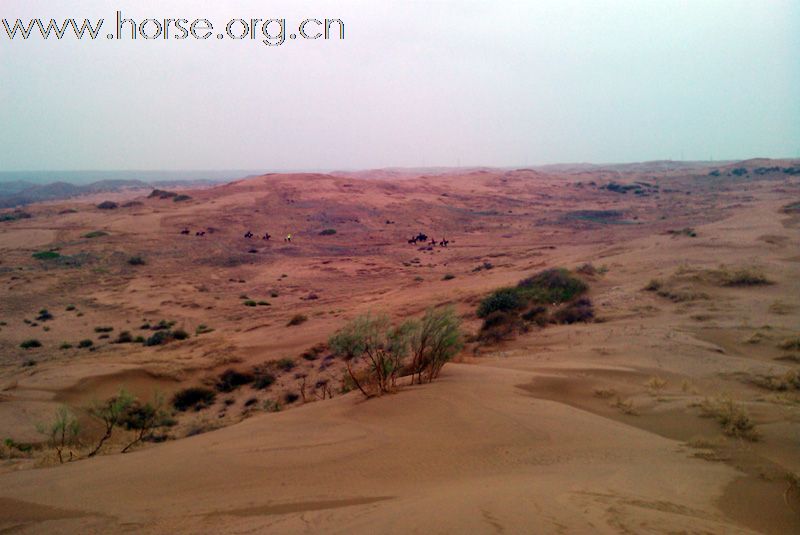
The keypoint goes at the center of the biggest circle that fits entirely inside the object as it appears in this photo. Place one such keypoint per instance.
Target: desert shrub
(46, 255)
(124, 338)
(231, 379)
(265, 303)
(159, 338)
(180, 334)
(181, 198)
(249, 303)
(44, 315)
(108, 205)
(139, 340)
(83, 344)
(144, 419)
(448, 277)
(433, 341)
(136, 261)
(109, 413)
(555, 285)
(790, 344)
(203, 329)
(502, 300)
(732, 417)
(498, 326)
(195, 397)
(788, 381)
(30, 344)
(28, 363)
(581, 310)
(262, 379)
(791, 208)
(291, 397)
(328, 232)
(654, 285)
(587, 269)
(70, 308)
(373, 339)
(103, 329)
(95, 234)
(62, 432)
(14, 216)
(161, 194)
(537, 314)
(297, 319)
(285, 364)
(65, 345)
(741, 277)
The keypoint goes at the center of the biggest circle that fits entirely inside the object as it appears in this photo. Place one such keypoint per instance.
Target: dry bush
(780, 383)
(626, 406)
(656, 384)
(731, 416)
(297, 319)
(581, 310)
(195, 397)
(791, 344)
(604, 393)
(231, 379)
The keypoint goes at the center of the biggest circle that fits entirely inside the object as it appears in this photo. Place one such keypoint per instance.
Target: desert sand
(585, 428)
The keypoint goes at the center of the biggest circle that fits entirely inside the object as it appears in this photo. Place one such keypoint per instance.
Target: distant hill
(20, 193)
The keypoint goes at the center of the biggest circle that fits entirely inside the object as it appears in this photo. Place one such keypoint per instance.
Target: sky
(413, 83)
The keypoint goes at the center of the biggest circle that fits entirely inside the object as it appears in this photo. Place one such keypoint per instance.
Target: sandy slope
(471, 453)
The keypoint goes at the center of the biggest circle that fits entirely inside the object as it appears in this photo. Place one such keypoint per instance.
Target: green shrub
(286, 364)
(103, 329)
(328, 232)
(159, 338)
(552, 286)
(95, 234)
(83, 344)
(124, 338)
(65, 345)
(250, 303)
(44, 315)
(581, 310)
(46, 255)
(136, 261)
(231, 379)
(195, 397)
(263, 379)
(297, 319)
(30, 344)
(180, 334)
(503, 300)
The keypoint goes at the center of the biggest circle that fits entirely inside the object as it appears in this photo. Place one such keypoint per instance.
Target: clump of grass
(263, 379)
(297, 319)
(95, 234)
(655, 384)
(195, 397)
(654, 285)
(731, 416)
(203, 329)
(781, 383)
(604, 393)
(625, 406)
(30, 344)
(286, 364)
(124, 337)
(791, 344)
(581, 310)
(46, 255)
(740, 277)
(232, 379)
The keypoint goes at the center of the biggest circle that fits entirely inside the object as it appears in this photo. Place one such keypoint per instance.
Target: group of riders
(419, 238)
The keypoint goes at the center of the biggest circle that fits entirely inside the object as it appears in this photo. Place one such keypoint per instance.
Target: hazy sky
(413, 83)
